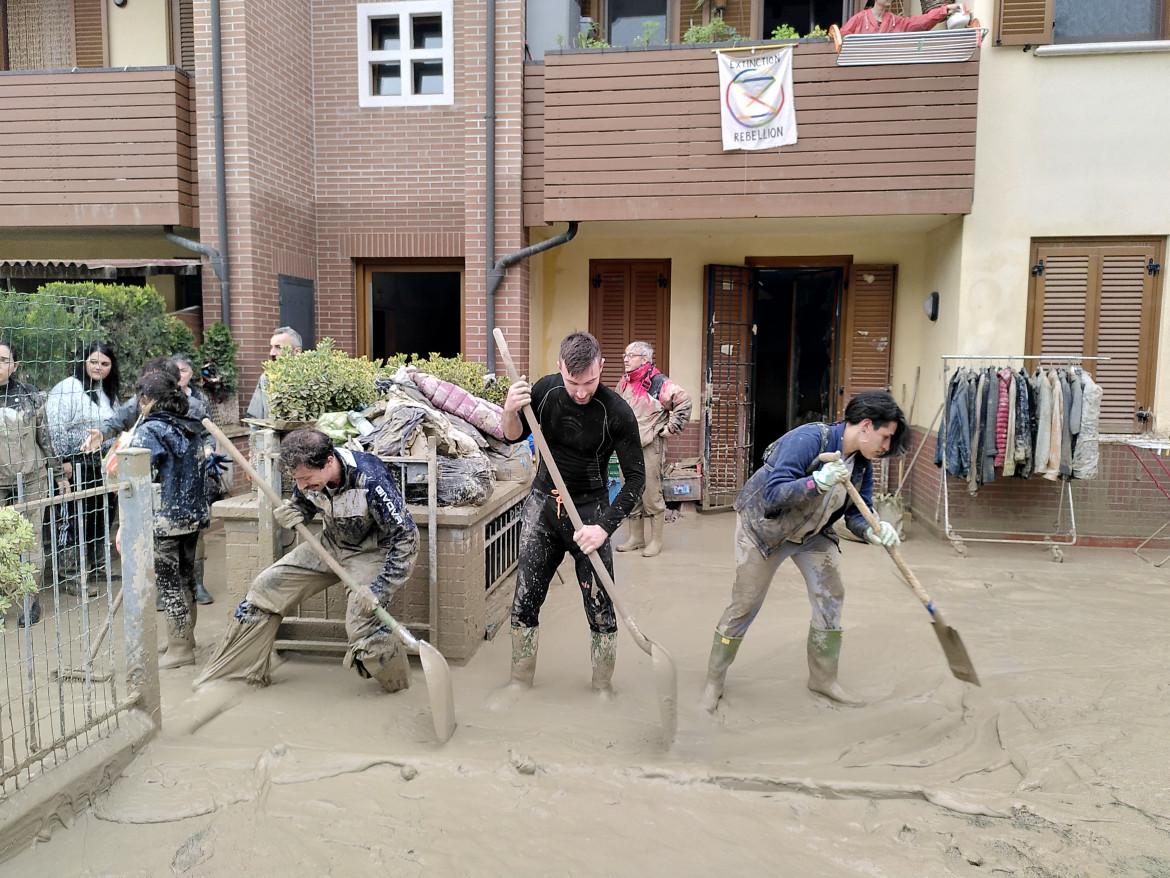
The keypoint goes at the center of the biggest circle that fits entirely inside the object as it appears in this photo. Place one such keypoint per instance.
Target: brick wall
(1121, 507)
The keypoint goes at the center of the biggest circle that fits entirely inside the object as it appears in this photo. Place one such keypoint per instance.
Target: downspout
(217, 258)
(496, 270)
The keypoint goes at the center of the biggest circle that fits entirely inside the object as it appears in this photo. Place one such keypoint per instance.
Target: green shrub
(181, 340)
(134, 322)
(817, 32)
(301, 387)
(459, 372)
(785, 32)
(219, 375)
(714, 31)
(16, 577)
(49, 333)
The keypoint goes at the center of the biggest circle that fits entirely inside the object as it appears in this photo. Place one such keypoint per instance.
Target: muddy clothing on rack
(368, 529)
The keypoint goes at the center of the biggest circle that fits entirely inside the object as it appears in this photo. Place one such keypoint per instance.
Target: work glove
(887, 536)
(830, 474)
(287, 515)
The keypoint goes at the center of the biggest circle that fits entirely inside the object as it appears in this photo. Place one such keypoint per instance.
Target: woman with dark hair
(79, 403)
(25, 451)
(176, 466)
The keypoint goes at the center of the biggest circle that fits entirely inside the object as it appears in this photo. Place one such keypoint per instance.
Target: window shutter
(650, 310)
(627, 303)
(1024, 22)
(1095, 298)
(1119, 329)
(868, 330)
(186, 59)
(88, 40)
(607, 317)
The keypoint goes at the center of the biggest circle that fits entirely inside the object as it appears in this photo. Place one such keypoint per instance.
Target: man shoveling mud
(366, 527)
(583, 422)
(787, 510)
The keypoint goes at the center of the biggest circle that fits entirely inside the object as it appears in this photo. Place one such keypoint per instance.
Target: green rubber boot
(824, 654)
(723, 650)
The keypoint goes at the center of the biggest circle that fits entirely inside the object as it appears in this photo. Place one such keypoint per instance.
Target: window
(1041, 22)
(1099, 297)
(637, 22)
(804, 15)
(405, 54)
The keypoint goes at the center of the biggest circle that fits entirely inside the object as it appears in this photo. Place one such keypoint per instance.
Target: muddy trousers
(174, 575)
(246, 650)
(546, 533)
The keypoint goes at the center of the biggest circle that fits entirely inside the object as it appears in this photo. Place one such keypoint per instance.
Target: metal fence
(67, 675)
(501, 544)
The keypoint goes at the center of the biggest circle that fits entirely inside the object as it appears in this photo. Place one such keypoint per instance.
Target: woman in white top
(80, 402)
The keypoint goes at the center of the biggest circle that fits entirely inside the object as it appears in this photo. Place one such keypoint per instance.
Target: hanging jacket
(1002, 410)
(1009, 441)
(955, 433)
(978, 405)
(1085, 456)
(1044, 424)
(991, 413)
(1052, 467)
(1072, 406)
(1025, 425)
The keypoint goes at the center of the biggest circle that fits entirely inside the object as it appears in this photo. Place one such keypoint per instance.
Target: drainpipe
(496, 270)
(217, 258)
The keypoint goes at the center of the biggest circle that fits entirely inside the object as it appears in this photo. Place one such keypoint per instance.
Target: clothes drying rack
(1052, 541)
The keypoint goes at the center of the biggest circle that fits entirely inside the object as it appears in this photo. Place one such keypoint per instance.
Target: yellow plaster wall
(139, 34)
(1066, 146)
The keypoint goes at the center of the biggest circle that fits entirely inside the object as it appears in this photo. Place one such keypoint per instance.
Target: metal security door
(728, 383)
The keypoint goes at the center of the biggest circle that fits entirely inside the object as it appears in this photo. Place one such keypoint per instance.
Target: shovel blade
(439, 689)
(666, 679)
(956, 653)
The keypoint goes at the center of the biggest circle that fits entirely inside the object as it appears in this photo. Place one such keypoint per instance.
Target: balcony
(634, 134)
(98, 147)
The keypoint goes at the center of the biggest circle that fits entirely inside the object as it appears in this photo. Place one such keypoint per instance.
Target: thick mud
(1055, 767)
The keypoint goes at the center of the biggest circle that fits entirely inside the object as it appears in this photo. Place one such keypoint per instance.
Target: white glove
(887, 537)
(287, 515)
(830, 474)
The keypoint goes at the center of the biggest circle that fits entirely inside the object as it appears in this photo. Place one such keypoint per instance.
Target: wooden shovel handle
(876, 524)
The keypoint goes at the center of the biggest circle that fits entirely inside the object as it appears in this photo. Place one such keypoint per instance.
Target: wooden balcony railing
(635, 134)
(98, 147)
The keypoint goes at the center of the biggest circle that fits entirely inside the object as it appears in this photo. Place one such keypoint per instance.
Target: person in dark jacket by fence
(180, 509)
(787, 510)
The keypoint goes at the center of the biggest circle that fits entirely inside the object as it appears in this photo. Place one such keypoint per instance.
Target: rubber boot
(34, 615)
(603, 656)
(391, 670)
(180, 643)
(654, 547)
(524, 645)
(723, 650)
(635, 536)
(824, 653)
(201, 594)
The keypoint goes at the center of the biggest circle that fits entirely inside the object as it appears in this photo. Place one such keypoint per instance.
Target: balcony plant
(302, 387)
(714, 31)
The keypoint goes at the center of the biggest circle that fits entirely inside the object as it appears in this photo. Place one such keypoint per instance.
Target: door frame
(363, 293)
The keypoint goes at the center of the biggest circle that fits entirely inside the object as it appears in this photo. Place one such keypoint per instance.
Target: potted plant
(218, 374)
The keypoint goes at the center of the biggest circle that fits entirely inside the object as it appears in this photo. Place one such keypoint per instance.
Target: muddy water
(1055, 767)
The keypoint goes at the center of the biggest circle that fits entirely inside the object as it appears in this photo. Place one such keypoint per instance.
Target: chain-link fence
(64, 678)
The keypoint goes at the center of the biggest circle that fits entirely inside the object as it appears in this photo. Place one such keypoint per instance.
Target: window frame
(1031, 23)
(405, 56)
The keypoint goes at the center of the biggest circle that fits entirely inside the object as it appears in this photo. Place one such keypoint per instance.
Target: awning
(95, 269)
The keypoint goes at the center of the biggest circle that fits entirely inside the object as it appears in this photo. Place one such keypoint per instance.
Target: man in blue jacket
(365, 526)
(787, 510)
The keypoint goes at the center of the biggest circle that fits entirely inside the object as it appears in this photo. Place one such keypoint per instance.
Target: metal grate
(501, 544)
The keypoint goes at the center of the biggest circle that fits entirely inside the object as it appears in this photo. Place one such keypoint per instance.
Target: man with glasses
(663, 409)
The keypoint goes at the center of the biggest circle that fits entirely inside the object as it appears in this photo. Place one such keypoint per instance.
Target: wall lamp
(930, 306)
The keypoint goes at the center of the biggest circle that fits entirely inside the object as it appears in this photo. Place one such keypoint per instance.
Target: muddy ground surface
(1057, 766)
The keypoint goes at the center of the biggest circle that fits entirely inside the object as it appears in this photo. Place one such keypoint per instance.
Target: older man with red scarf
(662, 408)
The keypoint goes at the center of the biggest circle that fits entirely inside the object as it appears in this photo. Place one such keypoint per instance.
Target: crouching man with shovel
(787, 510)
(583, 422)
(367, 529)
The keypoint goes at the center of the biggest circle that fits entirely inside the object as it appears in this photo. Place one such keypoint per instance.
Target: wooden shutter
(629, 301)
(89, 44)
(1098, 298)
(1023, 22)
(867, 330)
(186, 59)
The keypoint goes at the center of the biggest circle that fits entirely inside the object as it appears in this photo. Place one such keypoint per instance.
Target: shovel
(948, 637)
(435, 670)
(665, 675)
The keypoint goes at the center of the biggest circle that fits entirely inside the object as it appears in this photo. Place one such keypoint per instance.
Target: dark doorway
(795, 318)
(804, 14)
(415, 312)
